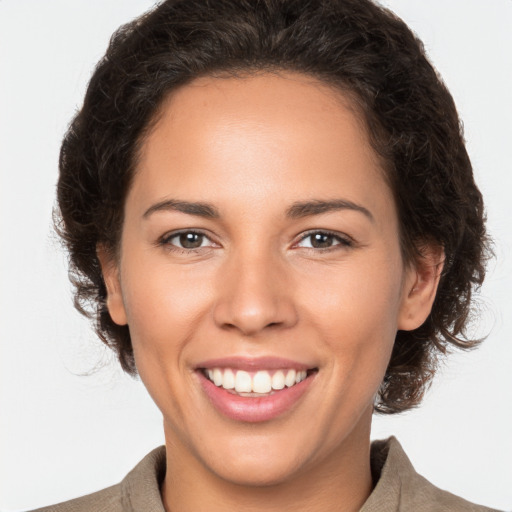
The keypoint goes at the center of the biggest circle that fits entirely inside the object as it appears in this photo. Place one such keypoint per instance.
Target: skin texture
(251, 148)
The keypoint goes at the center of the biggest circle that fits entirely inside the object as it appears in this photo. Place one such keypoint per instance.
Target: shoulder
(139, 490)
(107, 500)
(399, 488)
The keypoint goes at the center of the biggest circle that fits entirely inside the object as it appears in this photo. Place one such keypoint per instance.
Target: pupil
(191, 240)
(321, 240)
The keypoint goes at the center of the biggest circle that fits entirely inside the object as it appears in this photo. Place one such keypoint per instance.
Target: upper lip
(254, 363)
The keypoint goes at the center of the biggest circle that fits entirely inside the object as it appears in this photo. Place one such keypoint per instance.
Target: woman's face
(260, 248)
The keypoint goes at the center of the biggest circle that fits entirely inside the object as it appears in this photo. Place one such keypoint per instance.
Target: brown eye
(323, 240)
(190, 240)
(186, 240)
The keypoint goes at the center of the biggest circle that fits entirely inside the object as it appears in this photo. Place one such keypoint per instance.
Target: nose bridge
(254, 293)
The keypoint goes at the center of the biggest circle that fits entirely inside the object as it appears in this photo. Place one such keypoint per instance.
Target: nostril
(229, 327)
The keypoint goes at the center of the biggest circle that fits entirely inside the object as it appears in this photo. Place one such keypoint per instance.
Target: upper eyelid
(172, 234)
(341, 236)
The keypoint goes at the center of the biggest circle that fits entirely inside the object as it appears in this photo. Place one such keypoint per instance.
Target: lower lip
(254, 409)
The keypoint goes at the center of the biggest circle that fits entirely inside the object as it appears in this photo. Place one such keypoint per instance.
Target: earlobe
(110, 271)
(420, 288)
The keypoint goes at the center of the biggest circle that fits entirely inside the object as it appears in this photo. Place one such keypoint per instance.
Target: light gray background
(64, 435)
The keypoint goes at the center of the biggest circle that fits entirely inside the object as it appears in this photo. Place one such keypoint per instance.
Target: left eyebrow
(191, 208)
(318, 206)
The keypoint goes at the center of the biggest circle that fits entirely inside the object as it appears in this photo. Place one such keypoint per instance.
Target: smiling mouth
(255, 383)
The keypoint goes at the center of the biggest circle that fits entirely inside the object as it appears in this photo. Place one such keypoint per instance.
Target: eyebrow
(296, 210)
(191, 208)
(317, 207)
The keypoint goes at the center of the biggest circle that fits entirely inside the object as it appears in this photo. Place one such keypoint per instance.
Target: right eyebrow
(317, 207)
(191, 208)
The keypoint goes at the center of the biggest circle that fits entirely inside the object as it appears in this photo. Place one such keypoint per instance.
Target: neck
(340, 482)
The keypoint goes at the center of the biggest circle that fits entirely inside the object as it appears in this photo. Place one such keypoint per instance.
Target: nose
(254, 294)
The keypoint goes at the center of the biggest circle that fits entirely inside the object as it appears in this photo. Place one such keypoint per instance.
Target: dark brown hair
(354, 45)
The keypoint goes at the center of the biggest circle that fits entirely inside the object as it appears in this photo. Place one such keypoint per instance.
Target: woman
(270, 208)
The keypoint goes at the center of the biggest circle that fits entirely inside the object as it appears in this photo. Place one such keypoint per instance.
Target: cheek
(164, 304)
(165, 308)
(356, 308)
(361, 294)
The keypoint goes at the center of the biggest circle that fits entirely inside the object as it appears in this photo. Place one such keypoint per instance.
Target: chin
(270, 457)
(266, 471)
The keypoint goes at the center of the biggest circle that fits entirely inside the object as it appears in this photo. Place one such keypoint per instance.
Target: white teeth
(217, 377)
(300, 376)
(229, 379)
(261, 382)
(278, 380)
(289, 380)
(243, 382)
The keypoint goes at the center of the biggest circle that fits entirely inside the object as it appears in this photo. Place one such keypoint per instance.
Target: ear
(110, 271)
(420, 287)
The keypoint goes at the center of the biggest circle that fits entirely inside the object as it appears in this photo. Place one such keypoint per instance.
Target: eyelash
(165, 240)
(343, 241)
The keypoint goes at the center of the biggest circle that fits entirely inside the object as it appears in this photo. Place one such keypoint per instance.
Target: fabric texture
(399, 488)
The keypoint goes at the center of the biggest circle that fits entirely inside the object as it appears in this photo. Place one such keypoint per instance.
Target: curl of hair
(356, 46)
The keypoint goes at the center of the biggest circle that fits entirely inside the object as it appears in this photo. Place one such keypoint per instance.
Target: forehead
(259, 135)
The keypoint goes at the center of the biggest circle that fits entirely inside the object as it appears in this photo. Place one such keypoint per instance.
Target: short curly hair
(355, 45)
